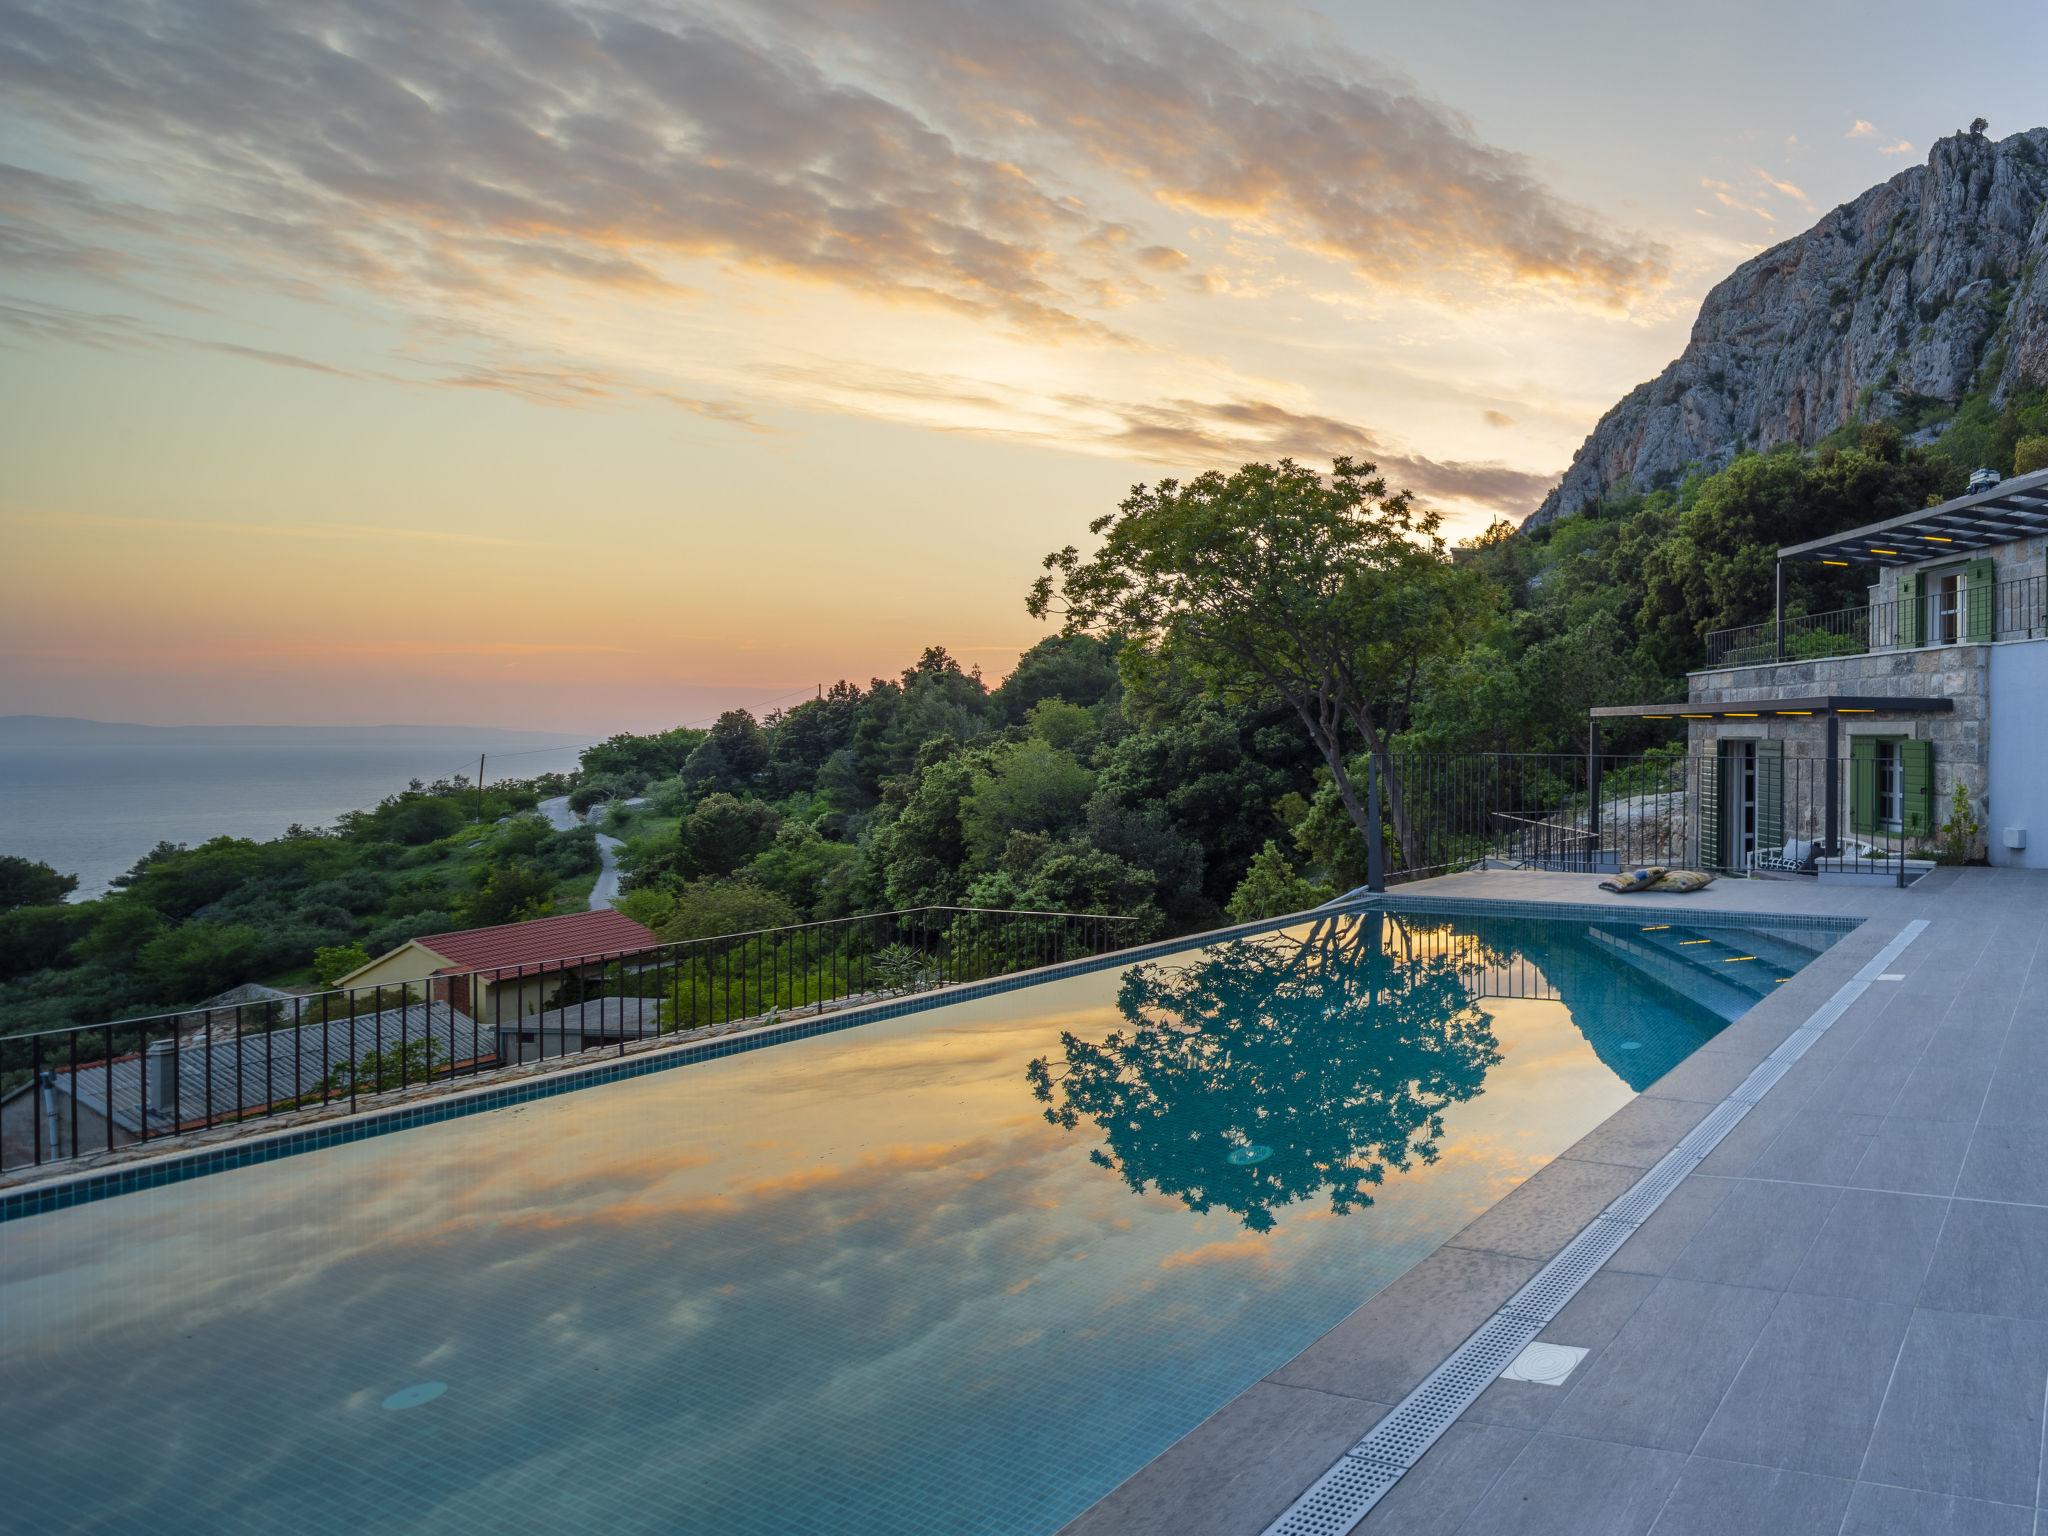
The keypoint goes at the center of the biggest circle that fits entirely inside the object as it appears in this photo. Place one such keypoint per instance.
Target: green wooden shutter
(1710, 809)
(1909, 608)
(1980, 588)
(1863, 785)
(1916, 764)
(1770, 796)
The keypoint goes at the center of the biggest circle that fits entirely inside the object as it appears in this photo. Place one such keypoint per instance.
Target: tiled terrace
(1837, 1323)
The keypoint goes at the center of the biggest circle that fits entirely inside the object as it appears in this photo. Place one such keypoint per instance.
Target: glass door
(1738, 776)
(1944, 607)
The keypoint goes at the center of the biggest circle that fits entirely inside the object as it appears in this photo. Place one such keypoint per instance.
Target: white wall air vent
(2015, 837)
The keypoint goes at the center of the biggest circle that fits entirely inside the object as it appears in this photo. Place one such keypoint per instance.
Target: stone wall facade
(1961, 737)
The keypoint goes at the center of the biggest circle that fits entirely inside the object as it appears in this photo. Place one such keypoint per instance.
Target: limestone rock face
(1921, 289)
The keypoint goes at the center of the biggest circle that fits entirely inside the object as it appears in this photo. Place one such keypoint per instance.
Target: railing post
(1831, 832)
(1592, 791)
(1778, 613)
(1375, 839)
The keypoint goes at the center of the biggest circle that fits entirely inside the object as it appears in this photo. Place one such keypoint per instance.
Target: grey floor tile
(1751, 1135)
(1564, 1487)
(1706, 1077)
(1388, 1345)
(1435, 1497)
(1758, 1235)
(1876, 1245)
(1548, 1208)
(1721, 1498)
(1660, 1380)
(1759, 1031)
(1917, 1157)
(1809, 1393)
(1673, 1224)
(1875, 1510)
(1236, 1471)
(1639, 1133)
(1951, 1077)
(1809, 1074)
(1817, 1147)
(1868, 1082)
(1963, 1413)
(1589, 1321)
(2015, 1096)
(1991, 1258)
(2007, 1162)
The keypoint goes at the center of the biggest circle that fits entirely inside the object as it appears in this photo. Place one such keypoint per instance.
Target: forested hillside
(1105, 773)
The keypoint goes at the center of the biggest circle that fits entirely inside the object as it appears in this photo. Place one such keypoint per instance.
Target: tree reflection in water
(1265, 1070)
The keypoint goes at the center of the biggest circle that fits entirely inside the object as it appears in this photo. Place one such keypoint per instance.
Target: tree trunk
(1323, 732)
(1391, 794)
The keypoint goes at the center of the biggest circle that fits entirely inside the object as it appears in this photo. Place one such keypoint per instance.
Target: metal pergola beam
(2013, 509)
(1777, 709)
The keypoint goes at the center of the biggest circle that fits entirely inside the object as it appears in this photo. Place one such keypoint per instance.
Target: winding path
(606, 892)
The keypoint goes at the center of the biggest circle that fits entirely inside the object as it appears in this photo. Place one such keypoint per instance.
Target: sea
(91, 797)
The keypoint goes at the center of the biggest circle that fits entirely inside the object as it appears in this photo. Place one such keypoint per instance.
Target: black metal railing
(1973, 613)
(95, 1087)
(1745, 808)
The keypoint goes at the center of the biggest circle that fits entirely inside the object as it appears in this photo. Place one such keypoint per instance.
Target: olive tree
(1327, 592)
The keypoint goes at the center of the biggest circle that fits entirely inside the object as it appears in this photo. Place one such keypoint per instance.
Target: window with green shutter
(1980, 588)
(1863, 785)
(1908, 608)
(1709, 829)
(1916, 764)
(1770, 795)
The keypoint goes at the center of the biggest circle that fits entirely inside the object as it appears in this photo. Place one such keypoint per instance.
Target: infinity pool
(959, 1271)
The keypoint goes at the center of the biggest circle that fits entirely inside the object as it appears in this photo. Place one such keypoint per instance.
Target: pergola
(2011, 509)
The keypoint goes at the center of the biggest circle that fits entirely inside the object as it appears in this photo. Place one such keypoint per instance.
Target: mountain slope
(1894, 305)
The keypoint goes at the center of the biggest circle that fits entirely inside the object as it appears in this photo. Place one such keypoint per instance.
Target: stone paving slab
(1838, 1322)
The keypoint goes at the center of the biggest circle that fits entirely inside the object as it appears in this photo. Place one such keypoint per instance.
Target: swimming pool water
(955, 1272)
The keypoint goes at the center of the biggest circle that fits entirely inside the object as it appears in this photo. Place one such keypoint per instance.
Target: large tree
(1327, 592)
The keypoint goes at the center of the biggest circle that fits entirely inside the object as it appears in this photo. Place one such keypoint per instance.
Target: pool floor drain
(1546, 1364)
(419, 1392)
(1244, 1157)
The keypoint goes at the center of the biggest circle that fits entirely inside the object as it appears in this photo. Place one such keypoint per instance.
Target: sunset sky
(594, 366)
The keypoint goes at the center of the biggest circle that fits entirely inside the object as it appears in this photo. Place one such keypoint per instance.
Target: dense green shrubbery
(185, 923)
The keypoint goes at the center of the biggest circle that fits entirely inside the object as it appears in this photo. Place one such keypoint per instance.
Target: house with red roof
(502, 974)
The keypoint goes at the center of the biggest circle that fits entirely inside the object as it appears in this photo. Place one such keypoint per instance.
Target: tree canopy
(1328, 594)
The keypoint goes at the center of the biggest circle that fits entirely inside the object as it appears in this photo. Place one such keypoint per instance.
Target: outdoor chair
(1800, 856)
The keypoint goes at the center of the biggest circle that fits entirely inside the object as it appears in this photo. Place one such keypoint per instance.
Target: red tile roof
(545, 939)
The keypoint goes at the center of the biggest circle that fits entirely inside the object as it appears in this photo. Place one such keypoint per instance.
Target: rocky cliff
(1920, 291)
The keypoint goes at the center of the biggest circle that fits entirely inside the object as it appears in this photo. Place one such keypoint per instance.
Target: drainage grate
(1346, 1494)
(1557, 1282)
(1761, 1081)
(1706, 1136)
(1648, 1192)
(1797, 1044)
(1337, 1500)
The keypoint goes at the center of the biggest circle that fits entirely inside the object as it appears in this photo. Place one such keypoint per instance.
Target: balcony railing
(95, 1087)
(2009, 610)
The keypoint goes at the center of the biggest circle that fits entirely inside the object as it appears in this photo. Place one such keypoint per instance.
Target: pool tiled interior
(958, 1270)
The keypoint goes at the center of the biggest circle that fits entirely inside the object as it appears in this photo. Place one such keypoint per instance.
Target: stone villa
(1850, 731)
